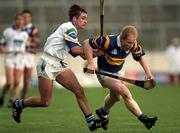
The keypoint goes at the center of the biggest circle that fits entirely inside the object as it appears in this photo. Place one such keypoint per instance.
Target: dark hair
(17, 15)
(27, 11)
(75, 11)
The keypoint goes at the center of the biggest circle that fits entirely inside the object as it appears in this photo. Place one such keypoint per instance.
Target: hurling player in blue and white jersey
(117, 48)
(14, 42)
(31, 47)
(58, 46)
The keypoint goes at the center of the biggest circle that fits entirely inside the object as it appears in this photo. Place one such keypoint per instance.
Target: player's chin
(83, 27)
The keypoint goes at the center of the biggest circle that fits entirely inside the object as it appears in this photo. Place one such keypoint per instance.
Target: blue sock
(142, 117)
(104, 112)
(89, 118)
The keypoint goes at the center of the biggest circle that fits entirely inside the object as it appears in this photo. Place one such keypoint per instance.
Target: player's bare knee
(16, 84)
(27, 81)
(116, 98)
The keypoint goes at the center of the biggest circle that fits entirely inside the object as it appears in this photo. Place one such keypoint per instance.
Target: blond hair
(127, 30)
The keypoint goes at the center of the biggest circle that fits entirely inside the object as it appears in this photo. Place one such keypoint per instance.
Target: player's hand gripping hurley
(146, 84)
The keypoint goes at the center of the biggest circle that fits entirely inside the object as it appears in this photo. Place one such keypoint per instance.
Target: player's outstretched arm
(146, 68)
(77, 51)
(88, 51)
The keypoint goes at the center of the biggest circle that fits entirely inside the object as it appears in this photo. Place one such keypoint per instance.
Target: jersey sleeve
(137, 52)
(71, 38)
(3, 37)
(99, 42)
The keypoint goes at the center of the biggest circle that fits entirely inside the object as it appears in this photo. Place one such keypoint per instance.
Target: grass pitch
(64, 116)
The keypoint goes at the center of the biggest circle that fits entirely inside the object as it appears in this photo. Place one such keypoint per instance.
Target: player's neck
(74, 24)
(18, 28)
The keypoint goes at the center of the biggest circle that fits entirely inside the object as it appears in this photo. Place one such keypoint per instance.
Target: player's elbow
(74, 51)
(77, 51)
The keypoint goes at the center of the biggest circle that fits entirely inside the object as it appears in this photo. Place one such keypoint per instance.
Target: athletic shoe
(97, 124)
(150, 122)
(103, 118)
(16, 112)
(1, 101)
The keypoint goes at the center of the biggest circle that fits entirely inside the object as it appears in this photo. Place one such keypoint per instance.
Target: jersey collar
(119, 44)
(118, 41)
(14, 28)
(28, 25)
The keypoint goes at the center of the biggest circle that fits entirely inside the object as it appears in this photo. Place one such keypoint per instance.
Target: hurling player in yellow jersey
(117, 48)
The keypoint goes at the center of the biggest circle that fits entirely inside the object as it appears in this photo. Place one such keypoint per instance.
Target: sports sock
(142, 118)
(89, 118)
(19, 104)
(103, 112)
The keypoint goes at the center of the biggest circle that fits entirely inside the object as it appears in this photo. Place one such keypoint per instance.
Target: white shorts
(50, 67)
(15, 60)
(29, 60)
(102, 78)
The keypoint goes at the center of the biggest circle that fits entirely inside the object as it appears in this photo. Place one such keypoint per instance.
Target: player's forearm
(81, 54)
(88, 51)
(77, 51)
(145, 66)
(97, 53)
(4, 50)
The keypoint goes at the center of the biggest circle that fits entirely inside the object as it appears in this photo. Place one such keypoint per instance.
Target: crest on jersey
(114, 52)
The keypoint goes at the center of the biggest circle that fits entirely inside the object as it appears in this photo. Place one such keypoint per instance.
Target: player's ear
(74, 19)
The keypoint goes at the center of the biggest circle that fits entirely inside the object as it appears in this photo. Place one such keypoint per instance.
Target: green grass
(64, 116)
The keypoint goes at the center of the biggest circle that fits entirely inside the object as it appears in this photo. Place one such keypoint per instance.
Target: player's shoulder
(8, 30)
(34, 29)
(113, 38)
(67, 24)
(69, 27)
(31, 29)
(33, 25)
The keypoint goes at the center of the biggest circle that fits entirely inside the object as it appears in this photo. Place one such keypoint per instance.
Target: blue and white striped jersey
(115, 56)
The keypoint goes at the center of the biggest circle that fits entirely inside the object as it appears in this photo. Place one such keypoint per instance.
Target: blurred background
(158, 23)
